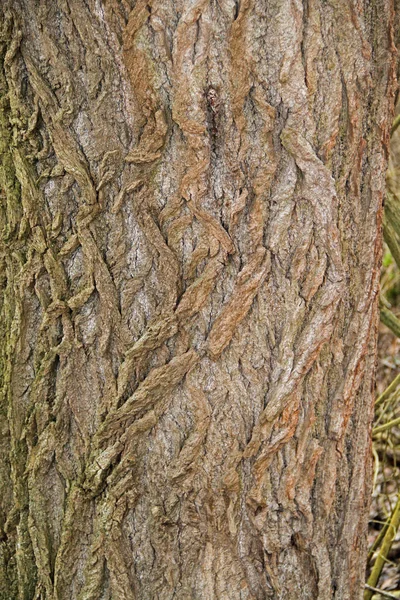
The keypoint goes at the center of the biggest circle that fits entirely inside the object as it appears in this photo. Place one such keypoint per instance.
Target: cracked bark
(191, 243)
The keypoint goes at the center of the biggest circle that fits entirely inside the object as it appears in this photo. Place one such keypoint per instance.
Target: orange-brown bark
(191, 243)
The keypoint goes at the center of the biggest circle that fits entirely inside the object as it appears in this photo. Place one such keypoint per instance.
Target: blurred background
(383, 570)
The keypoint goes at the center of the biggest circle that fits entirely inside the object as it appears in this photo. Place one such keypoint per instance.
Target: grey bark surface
(191, 245)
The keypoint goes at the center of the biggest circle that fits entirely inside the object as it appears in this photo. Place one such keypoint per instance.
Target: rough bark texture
(191, 243)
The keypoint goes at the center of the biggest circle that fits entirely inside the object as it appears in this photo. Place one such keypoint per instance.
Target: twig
(386, 545)
(376, 466)
(390, 320)
(395, 125)
(381, 592)
(377, 541)
(391, 388)
(385, 426)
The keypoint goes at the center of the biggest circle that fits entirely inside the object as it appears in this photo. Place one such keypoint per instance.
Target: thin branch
(378, 541)
(389, 390)
(381, 592)
(390, 320)
(384, 551)
(395, 125)
(385, 426)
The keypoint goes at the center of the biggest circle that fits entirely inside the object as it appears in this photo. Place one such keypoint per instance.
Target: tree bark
(191, 246)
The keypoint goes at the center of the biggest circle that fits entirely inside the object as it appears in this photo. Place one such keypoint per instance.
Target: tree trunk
(191, 245)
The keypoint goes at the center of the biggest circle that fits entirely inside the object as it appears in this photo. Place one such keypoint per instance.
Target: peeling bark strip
(248, 283)
(190, 249)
